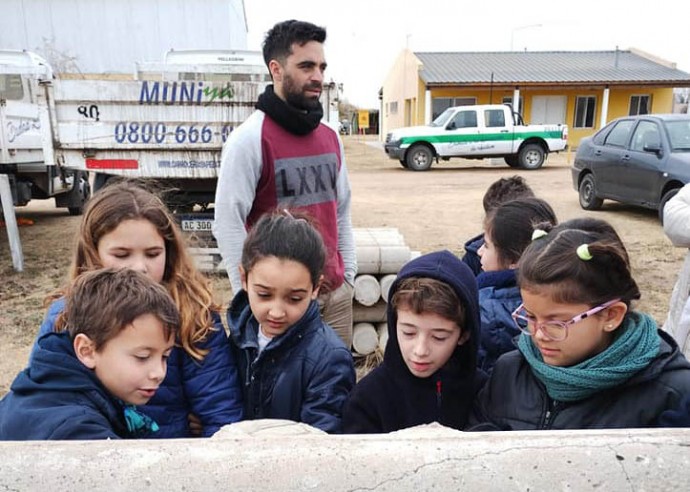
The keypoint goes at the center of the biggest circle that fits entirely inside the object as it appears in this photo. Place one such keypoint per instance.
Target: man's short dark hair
(101, 303)
(279, 40)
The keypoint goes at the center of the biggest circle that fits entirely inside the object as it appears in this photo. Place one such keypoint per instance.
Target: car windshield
(679, 135)
(443, 118)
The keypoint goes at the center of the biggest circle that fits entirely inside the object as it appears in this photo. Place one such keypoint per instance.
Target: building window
(585, 107)
(639, 105)
(521, 103)
(440, 104)
(394, 107)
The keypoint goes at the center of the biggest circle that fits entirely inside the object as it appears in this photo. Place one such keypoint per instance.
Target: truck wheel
(80, 195)
(512, 160)
(588, 195)
(403, 163)
(531, 156)
(664, 199)
(419, 158)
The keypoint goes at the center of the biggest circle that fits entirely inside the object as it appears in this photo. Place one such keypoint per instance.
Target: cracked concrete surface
(281, 456)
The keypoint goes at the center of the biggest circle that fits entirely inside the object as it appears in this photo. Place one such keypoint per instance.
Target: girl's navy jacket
(304, 375)
(209, 388)
(391, 397)
(59, 398)
(499, 296)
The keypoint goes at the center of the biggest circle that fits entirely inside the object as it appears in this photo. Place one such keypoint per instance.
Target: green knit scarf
(635, 346)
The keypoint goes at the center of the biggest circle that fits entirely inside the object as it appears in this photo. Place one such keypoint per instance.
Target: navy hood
(448, 268)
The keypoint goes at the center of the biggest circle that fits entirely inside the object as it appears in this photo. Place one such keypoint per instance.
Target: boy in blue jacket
(83, 383)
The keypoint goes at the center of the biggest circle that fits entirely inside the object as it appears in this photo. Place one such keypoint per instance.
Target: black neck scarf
(295, 121)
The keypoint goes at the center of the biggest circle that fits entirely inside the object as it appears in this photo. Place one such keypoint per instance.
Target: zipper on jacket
(552, 410)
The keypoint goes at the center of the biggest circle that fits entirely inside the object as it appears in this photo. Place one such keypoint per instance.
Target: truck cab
(22, 158)
(476, 132)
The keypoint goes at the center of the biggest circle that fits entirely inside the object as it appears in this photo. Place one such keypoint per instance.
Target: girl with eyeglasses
(585, 358)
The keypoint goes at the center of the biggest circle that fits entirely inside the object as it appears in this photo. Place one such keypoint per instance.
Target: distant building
(88, 37)
(583, 89)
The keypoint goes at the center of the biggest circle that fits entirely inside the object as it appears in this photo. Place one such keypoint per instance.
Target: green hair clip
(583, 252)
(538, 234)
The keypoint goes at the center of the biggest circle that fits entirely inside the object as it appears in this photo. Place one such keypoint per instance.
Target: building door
(548, 110)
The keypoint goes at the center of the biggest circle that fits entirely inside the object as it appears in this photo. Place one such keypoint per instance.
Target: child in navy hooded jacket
(412, 386)
(84, 383)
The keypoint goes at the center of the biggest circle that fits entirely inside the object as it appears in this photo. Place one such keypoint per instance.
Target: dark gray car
(639, 160)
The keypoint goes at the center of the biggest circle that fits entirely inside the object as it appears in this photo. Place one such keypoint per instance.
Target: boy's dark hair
(287, 236)
(280, 38)
(553, 261)
(428, 295)
(505, 190)
(101, 303)
(511, 224)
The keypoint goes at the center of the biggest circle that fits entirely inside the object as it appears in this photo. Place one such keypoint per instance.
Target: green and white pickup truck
(476, 132)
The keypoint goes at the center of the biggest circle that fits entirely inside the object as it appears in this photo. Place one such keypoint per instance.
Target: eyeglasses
(553, 330)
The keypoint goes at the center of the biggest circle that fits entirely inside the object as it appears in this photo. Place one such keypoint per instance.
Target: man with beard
(283, 157)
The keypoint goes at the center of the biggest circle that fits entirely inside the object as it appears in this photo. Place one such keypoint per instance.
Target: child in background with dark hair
(292, 363)
(429, 370)
(507, 232)
(500, 191)
(585, 359)
(83, 383)
(126, 226)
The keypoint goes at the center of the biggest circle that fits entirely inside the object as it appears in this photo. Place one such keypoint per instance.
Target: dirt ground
(433, 210)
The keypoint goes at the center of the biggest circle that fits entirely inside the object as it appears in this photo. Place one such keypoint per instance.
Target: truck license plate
(197, 225)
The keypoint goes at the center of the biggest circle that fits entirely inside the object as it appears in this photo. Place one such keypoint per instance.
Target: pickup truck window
(494, 118)
(464, 119)
(443, 118)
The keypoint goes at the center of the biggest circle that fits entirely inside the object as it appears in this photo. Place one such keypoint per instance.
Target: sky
(364, 37)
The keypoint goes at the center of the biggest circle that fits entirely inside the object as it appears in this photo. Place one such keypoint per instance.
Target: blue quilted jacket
(208, 388)
(304, 375)
(499, 296)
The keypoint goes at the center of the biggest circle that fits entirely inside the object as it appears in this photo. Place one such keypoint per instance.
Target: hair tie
(583, 252)
(538, 234)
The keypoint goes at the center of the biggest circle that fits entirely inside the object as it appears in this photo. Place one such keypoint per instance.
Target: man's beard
(295, 96)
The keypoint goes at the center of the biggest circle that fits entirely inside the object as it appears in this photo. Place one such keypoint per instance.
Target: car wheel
(664, 199)
(403, 163)
(531, 156)
(419, 158)
(512, 160)
(588, 194)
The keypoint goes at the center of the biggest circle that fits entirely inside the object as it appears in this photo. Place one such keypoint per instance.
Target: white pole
(604, 108)
(11, 223)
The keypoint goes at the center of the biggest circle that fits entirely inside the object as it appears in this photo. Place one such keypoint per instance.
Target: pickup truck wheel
(403, 163)
(512, 160)
(419, 158)
(531, 156)
(588, 195)
(664, 199)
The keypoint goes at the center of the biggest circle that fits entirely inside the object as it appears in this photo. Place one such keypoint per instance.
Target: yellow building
(583, 89)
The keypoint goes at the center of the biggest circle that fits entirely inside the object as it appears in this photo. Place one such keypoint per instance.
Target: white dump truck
(23, 137)
(476, 132)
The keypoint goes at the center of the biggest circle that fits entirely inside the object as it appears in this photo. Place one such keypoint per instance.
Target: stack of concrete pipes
(381, 252)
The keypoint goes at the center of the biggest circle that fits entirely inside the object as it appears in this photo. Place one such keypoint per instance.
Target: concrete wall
(279, 457)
